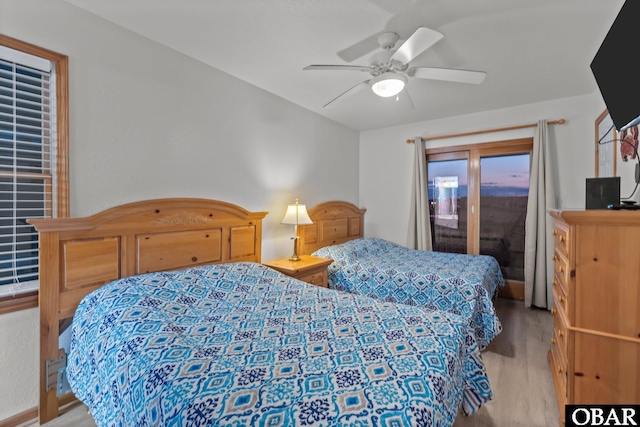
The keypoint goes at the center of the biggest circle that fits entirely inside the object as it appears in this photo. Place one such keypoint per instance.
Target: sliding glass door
(478, 200)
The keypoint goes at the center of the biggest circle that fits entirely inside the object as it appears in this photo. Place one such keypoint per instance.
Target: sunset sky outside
(499, 171)
(505, 171)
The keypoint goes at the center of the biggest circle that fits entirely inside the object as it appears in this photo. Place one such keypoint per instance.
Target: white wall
(386, 161)
(148, 122)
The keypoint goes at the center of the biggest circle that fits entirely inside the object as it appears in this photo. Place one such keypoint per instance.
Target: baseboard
(65, 402)
(23, 417)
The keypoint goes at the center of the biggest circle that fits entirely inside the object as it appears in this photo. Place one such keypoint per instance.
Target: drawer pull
(554, 283)
(555, 258)
(555, 232)
(553, 340)
(561, 334)
(553, 310)
(562, 239)
(561, 299)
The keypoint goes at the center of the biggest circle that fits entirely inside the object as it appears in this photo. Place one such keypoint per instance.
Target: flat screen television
(614, 67)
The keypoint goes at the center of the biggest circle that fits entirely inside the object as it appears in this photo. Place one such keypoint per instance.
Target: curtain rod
(475, 132)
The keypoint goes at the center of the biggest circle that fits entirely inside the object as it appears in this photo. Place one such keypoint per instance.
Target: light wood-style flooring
(516, 364)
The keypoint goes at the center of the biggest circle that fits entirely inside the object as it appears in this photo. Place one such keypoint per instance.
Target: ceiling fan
(390, 68)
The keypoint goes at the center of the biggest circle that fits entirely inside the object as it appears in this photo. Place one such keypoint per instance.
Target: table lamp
(297, 215)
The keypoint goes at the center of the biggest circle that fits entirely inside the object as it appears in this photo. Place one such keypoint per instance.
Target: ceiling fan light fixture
(388, 84)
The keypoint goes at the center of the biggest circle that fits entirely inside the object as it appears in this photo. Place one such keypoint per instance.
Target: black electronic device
(602, 193)
(617, 78)
(624, 206)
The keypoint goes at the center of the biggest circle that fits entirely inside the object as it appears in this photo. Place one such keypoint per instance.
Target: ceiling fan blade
(339, 67)
(359, 49)
(349, 92)
(403, 101)
(448, 74)
(422, 39)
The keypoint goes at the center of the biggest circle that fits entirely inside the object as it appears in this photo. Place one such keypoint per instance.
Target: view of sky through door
(504, 190)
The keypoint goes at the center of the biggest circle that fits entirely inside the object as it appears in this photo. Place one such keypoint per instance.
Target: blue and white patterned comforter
(241, 344)
(457, 283)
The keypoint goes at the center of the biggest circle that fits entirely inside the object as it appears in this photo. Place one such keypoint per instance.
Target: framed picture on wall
(606, 143)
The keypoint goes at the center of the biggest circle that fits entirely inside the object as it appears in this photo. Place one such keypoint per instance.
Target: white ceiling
(532, 50)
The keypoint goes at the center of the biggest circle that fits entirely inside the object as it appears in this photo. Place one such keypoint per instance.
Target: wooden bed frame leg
(49, 323)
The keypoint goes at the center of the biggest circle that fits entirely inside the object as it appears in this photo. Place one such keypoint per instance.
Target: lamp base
(295, 256)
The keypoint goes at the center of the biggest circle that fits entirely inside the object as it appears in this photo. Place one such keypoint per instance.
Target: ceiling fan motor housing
(388, 40)
(381, 62)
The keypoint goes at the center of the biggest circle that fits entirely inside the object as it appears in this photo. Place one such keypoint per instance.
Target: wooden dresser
(595, 356)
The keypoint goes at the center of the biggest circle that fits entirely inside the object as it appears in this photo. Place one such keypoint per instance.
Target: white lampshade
(297, 215)
(388, 84)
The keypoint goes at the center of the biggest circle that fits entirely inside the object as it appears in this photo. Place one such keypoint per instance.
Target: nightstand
(309, 269)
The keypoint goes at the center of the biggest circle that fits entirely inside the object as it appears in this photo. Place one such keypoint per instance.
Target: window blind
(27, 148)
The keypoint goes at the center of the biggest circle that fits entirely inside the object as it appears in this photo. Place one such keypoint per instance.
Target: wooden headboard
(333, 223)
(78, 255)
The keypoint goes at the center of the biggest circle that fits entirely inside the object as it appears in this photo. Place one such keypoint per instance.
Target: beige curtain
(419, 236)
(538, 268)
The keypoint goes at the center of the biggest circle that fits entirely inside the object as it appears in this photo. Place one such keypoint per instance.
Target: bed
(175, 322)
(461, 284)
(80, 255)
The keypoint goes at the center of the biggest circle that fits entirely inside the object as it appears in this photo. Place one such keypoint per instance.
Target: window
(478, 200)
(33, 161)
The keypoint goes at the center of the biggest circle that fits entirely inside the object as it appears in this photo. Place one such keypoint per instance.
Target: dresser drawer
(562, 238)
(562, 272)
(560, 365)
(318, 278)
(560, 326)
(559, 375)
(560, 297)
